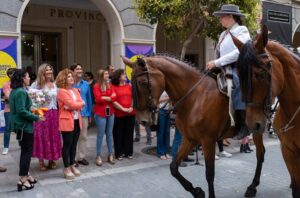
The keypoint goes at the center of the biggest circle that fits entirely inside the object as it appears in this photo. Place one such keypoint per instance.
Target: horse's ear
(237, 42)
(262, 39)
(127, 61)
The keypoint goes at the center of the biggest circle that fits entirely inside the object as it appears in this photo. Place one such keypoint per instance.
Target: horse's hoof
(198, 193)
(251, 192)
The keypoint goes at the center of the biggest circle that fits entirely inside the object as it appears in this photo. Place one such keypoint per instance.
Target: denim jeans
(163, 133)
(176, 143)
(104, 126)
(6, 136)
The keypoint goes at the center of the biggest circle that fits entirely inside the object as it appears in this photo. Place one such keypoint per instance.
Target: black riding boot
(241, 129)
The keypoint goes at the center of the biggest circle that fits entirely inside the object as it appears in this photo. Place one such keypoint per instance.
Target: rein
(287, 126)
(189, 92)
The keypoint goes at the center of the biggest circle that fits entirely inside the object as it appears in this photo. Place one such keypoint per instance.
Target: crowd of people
(73, 100)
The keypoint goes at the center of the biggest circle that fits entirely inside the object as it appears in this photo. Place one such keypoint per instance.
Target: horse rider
(226, 54)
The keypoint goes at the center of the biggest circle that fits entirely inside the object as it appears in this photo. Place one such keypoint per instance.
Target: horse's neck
(178, 81)
(286, 82)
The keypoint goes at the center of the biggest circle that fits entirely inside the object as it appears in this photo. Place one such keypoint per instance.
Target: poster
(133, 51)
(8, 59)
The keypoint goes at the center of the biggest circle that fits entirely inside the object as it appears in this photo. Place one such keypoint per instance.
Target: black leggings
(70, 139)
(220, 145)
(26, 153)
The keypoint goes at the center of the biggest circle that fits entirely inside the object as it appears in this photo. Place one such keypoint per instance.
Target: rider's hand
(210, 65)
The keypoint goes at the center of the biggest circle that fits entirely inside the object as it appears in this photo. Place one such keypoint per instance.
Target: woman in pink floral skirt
(47, 140)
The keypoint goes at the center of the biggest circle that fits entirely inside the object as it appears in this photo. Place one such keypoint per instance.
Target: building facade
(93, 33)
(283, 20)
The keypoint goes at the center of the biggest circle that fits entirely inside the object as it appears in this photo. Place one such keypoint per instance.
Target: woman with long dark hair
(22, 123)
(104, 114)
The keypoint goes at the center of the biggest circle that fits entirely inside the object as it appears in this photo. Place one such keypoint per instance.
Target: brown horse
(269, 70)
(202, 112)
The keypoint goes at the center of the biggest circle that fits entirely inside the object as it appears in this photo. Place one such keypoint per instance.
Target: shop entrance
(38, 48)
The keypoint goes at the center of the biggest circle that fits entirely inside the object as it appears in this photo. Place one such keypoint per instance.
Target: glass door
(38, 48)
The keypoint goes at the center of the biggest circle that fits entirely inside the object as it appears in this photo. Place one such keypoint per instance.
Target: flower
(39, 99)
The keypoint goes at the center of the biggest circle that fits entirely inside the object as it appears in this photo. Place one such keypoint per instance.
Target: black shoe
(183, 164)
(76, 164)
(247, 147)
(83, 162)
(244, 149)
(27, 185)
(187, 159)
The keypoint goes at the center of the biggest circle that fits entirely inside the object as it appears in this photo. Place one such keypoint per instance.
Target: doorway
(41, 47)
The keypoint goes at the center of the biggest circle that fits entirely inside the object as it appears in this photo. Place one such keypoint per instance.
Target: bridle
(151, 107)
(266, 105)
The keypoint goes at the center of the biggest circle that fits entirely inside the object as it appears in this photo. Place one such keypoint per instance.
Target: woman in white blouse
(47, 140)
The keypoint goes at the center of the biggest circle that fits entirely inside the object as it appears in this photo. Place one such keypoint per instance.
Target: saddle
(224, 78)
(222, 75)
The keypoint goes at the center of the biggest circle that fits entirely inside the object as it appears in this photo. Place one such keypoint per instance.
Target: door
(38, 48)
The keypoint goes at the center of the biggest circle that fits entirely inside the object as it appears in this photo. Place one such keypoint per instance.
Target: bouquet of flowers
(39, 100)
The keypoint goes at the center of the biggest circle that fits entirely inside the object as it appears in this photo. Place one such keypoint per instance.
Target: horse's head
(254, 67)
(147, 85)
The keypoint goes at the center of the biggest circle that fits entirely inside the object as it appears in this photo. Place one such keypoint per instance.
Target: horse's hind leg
(185, 148)
(292, 161)
(260, 154)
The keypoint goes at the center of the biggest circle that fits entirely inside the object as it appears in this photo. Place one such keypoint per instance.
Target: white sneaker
(225, 154)
(216, 157)
(5, 151)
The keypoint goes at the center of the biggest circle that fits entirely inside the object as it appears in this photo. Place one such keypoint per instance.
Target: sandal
(26, 184)
(52, 164)
(42, 165)
(31, 179)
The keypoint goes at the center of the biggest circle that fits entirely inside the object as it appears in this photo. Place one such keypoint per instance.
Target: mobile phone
(107, 111)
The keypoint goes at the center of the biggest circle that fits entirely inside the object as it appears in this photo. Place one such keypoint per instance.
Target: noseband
(266, 105)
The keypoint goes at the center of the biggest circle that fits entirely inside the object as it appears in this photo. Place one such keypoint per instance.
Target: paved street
(147, 176)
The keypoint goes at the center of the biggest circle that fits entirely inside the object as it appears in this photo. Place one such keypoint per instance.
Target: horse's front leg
(185, 148)
(208, 148)
(260, 155)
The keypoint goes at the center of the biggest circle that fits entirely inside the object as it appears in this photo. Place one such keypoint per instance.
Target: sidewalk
(139, 161)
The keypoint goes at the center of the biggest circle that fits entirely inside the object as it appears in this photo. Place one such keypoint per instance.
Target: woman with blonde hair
(47, 141)
(104, 114)
(70, 104)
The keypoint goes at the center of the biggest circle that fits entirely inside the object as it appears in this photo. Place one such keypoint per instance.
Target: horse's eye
(260, 74)
(143, 83)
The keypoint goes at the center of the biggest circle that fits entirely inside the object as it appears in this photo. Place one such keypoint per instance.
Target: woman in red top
(104, 114)
(125, 116)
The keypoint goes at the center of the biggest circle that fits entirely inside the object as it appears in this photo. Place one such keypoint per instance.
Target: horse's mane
(175, 60)
(246, 60)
